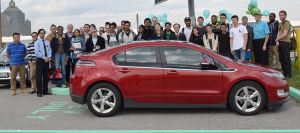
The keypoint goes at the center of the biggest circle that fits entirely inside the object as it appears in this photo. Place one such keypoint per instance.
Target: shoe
(47, 93)
(63, 86)
(288, 77)
(32, 92)
(25, 91)
(54, 85)
(13, 92)
(39, 94)
(66, 83)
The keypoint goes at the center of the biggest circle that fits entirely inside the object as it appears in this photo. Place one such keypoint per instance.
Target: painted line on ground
(155, 131)
(295, 93)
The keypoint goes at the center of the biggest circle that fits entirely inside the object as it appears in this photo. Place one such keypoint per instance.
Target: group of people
(61, 49)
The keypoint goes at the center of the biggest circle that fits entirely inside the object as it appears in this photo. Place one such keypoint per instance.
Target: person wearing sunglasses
(60, 46)
(32, 62)
(95, 42)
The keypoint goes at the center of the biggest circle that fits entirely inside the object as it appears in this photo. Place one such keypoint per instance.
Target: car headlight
(274, 75)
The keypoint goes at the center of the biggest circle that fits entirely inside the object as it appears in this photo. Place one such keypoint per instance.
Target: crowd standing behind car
(228, 41)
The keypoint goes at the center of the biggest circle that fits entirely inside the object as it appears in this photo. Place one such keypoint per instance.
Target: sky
(43, 13)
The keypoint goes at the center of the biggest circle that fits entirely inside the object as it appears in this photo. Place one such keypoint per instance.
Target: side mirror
(205, 64)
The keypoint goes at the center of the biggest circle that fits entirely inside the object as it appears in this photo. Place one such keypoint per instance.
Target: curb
(60, 91)
(295, 93)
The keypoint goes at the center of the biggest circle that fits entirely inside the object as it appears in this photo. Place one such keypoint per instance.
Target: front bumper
(278, 103)
(7, 70)
(77, 99)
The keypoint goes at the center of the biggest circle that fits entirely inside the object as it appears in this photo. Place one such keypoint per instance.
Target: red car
(169, 74)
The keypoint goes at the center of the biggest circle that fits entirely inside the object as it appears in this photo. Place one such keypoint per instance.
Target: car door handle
(124, 70)
(173, 73)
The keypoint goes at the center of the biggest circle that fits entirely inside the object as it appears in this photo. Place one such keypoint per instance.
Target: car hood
(4, 59)
(255, 66)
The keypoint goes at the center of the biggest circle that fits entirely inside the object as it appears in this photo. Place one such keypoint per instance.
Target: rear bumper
(77, 99)
(278, 103)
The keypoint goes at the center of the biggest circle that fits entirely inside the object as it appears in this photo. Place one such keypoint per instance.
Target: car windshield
(3, 52)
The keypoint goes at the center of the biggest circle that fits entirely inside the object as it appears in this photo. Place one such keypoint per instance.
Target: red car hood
(255, 66)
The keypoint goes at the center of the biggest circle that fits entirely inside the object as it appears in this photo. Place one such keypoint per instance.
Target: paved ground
(28, 112)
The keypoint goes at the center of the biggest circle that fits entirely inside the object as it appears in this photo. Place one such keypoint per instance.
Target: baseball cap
(257, 13)
(187, 18)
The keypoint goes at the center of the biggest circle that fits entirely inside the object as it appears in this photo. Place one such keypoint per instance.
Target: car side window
(182, 56)
(138, 55)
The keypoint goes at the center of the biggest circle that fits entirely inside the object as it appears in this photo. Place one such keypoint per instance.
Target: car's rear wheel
(104, 100)
(247, 98)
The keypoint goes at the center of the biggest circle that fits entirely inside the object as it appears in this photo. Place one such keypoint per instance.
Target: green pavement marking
(60, 91)
(295, 93)
(155, 131)
(38, 117)
(74, 112)
(78, 106)
(41, 110)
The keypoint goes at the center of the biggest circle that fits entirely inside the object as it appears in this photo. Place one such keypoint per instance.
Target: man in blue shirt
(260, 39)
(16, 53)
(43, 54)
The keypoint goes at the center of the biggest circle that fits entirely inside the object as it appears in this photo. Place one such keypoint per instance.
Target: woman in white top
(210, 39)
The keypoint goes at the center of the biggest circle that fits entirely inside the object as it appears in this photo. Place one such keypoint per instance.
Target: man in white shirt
(238, 39)
(187, 30)
(126, 35)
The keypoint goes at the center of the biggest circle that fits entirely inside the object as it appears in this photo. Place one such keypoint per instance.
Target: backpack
(123, 35)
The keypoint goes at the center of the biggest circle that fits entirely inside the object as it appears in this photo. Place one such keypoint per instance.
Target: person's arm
(82, 44)
(231, 45)
(218, 46)
(266, 41)
(52, 47)
(285, 32)
(25, 53)
(8, 55)
(245, 41)
(29, 57)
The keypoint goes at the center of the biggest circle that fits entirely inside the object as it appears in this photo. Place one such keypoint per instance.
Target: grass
(295, 81)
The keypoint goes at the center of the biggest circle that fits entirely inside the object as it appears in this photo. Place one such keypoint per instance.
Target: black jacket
(144, 37)
(166, 32)
(54, 45)
(149, 32)
(90, 45)
(181, 37)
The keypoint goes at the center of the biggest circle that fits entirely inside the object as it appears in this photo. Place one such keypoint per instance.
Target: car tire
(250, 104)
(106, 104)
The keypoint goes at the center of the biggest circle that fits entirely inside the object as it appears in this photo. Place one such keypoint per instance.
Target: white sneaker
(54, 85)
(63, 86)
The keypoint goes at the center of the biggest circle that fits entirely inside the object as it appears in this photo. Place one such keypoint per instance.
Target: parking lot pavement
(28, 112)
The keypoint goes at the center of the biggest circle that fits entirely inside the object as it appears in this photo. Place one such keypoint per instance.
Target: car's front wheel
(104, 100)
(247, 98)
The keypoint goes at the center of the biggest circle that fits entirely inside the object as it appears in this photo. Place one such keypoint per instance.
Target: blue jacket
(273, 33)
(154, 36)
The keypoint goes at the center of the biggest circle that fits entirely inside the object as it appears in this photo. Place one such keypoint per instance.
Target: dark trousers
(261, 56)
(42, 70)
(284, 57)
(227, 54)
(68, 70)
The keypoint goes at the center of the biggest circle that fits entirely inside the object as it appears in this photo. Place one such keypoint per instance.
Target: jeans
(239, 54)
(60, 64)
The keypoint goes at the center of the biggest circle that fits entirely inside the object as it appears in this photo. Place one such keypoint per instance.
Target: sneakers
(54, 85)
(63, 86)
(13, 92)
(24, 91)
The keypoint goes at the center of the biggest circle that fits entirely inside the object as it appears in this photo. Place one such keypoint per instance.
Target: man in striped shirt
(16, 53)
(32, 62)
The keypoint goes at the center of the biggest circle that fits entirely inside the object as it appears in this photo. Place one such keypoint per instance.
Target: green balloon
(218, 19)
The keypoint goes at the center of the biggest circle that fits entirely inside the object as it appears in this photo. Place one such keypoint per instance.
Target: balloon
(206, 13)
(218, 19)
(228, 16)
(165, 20)
(165, 15)
(150, 16)
(224, 12)
(159, 18)
(255, 10)
(209, 22)
(250, 7)
(205, 23)
(266, 13)
(253, 3)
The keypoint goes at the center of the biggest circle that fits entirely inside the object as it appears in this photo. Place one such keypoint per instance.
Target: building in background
(13, 20)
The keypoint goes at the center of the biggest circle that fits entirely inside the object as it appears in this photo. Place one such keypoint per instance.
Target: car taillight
(86, 63)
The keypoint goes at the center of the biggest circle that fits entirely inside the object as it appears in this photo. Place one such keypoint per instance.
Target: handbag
(54, 74)
(249, 56)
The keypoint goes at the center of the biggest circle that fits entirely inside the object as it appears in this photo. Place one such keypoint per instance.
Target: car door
(140, 73)
(185, 81)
